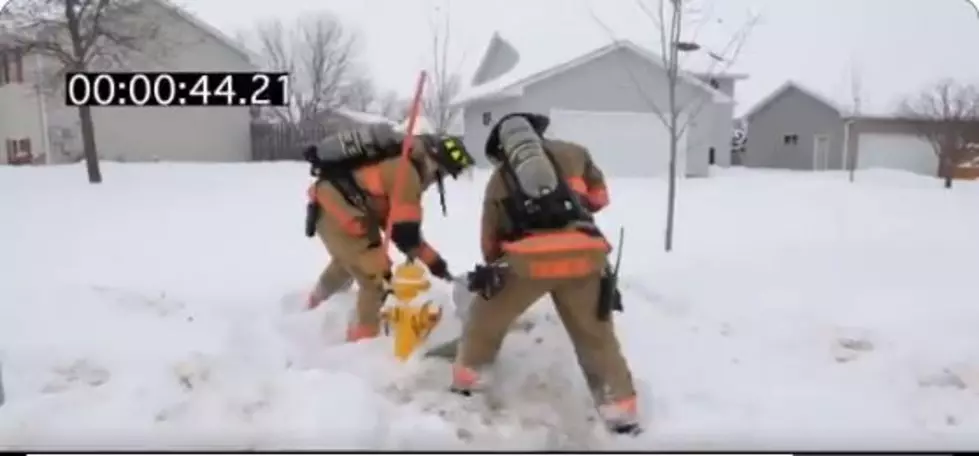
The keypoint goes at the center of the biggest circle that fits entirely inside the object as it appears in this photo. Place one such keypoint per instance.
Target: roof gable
(515, 81)
(493, 57)
(792, 85)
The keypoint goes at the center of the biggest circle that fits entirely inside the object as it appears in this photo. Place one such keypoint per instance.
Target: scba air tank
(368, 142)
(525, 153)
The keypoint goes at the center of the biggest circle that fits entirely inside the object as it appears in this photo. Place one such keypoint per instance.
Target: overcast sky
(893, 45)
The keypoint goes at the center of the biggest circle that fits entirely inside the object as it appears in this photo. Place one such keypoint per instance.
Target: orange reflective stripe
(561, 269)
(556, 242)
(371, 178)
(598, 197)
(427, 254)
(405, 213)
(347, 222)
(578, 185)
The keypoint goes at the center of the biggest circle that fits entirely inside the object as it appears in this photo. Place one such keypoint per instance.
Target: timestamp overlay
(176, 89)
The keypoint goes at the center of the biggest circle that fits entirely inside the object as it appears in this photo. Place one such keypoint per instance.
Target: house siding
(147, 134)
(793, 113)
(861, 126)
(621, 81)
(714, 125)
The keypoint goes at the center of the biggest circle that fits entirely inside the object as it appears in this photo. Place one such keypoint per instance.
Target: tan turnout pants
(355, 258)
(595, 344)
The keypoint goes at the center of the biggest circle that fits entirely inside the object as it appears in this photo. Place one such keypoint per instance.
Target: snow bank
(158, 311)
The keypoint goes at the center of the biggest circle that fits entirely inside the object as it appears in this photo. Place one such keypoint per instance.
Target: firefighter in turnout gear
(539, 238)
(351, 200)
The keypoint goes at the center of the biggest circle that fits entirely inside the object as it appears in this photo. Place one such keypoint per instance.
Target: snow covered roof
(531, 69)
(362, 117)
(568, 33)
(422, 125)
(790, 84)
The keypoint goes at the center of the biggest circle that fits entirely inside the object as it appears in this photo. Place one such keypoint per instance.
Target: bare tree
(319, 53)
(80, 35)
(444, 83)
(674, 20)
(359, 95)
(947, 116)
(392, 106)
(856, 89)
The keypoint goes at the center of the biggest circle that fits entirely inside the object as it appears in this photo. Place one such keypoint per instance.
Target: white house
(48, 130)
(605, 98)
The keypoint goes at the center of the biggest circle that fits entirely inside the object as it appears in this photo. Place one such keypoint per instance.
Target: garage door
(627, 144)
(896, 151)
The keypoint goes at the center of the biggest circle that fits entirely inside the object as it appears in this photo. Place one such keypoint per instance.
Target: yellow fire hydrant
(412, 317)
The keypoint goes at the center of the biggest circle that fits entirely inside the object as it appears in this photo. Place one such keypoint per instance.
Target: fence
(284, 141)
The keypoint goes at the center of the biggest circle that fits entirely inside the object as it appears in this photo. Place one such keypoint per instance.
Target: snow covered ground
(158, 311)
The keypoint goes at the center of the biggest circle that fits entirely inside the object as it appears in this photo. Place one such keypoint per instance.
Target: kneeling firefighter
(354, 195)
(539, 238)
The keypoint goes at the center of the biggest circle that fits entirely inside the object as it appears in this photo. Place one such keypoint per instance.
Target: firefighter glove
(486, 281)
(439, 268)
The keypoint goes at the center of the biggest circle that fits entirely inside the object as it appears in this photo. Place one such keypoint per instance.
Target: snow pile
(158, 311)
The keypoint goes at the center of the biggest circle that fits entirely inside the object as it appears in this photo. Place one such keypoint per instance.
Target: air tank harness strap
(355, 196)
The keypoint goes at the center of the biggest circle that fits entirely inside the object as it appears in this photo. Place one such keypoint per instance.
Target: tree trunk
(671, 194)
(672, 78)
(88, 143)
(947, 170)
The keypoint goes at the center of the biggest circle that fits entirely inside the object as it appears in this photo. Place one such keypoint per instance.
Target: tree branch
(946, 114)
(320, 54)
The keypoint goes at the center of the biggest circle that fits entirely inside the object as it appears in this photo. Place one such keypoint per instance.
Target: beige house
(36, 125)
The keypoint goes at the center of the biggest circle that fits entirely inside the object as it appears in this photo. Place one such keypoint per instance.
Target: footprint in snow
(82, 372)
(850, 343)
(157, 303)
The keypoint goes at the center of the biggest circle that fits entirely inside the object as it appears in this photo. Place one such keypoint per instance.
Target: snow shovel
(463, 299)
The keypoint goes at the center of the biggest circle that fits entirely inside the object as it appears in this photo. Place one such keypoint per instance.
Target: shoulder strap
(566, 189)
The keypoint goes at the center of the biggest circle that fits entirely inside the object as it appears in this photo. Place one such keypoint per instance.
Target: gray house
(797, 128)
(606, 99)
(37, 127)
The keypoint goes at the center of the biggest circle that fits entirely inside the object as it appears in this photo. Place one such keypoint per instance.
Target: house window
(487, 118)
(17, 66)
(19, 151)
(4, 69)
(11, 67)
(24, 147)
(792, 139)
(711, 156)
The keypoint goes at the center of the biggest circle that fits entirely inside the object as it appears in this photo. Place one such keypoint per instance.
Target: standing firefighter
(349, 204)
(538, 237)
